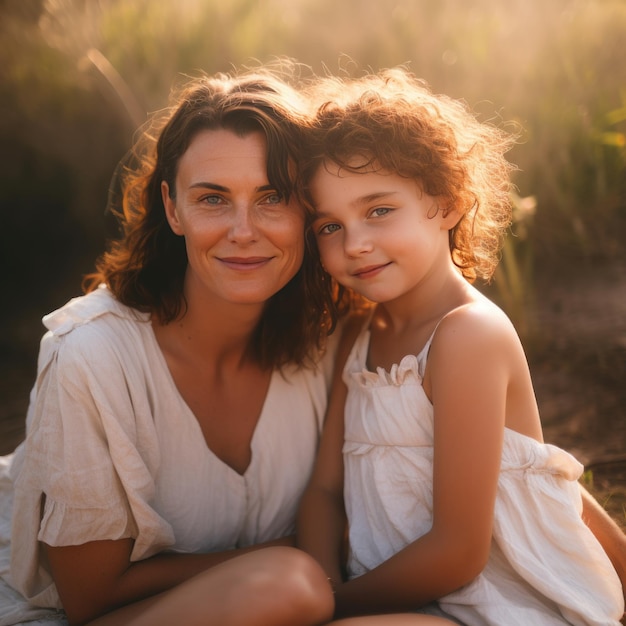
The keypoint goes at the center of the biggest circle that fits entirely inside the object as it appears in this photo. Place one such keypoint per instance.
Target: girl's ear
(450, 218)
(449, 215)
(170, 210)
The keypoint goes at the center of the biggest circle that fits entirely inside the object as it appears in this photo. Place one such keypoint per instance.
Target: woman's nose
(242, 227)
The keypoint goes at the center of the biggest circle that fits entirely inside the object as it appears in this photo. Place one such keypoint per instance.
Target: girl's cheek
(327, 259)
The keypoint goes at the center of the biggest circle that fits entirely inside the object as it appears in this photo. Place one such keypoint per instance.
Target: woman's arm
(97, 577)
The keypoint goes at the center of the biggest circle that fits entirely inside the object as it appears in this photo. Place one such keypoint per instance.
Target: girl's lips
(245, 263)
(370, 271)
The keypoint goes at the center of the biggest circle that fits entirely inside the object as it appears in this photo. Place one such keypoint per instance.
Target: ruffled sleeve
(86, 470)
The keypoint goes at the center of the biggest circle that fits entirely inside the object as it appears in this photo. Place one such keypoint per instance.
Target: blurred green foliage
(78, 76)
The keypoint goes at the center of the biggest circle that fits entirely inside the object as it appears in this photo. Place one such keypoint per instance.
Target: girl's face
(377, 232)
(244, 242)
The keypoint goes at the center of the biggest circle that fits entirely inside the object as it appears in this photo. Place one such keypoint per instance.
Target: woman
(177, 407)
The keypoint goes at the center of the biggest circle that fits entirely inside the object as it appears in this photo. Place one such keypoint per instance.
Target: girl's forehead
(352, 164)
(337, 186)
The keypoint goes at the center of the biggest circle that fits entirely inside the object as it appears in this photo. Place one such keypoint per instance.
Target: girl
(449, 491)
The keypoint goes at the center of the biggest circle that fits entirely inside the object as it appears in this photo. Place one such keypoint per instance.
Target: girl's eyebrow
(366, 199)
(372, 197)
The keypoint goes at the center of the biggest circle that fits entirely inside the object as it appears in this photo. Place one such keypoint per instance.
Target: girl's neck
(422, 307)
(401, 328)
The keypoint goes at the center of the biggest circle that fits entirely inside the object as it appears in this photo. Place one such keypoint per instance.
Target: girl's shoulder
(352, 326)
(476, 325)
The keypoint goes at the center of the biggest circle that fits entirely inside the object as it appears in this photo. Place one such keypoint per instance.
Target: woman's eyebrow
(216, 187)
(204, 185)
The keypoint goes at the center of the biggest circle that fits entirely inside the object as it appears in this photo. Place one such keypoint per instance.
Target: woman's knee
(291, 581)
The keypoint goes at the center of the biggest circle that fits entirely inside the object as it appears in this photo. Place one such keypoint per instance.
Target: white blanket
(14, 609)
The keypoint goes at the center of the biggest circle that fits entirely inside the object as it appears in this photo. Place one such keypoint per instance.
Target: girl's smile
(370, 271)
(377, 232)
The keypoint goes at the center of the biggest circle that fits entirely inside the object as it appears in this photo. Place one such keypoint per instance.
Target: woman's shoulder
(92, 330)
(95, 305)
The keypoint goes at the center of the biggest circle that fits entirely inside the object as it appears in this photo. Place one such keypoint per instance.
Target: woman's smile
(244, 264)
(244, 240)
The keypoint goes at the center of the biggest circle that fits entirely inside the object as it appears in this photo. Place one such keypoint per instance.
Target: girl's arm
(321, 522)
(468, 375)
(607, 532)
(97, 577)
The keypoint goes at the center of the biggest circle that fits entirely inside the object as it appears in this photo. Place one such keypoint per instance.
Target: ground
(578, 362)
(577, 355)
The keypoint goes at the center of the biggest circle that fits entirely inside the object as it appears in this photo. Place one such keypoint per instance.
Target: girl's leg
(270, 587)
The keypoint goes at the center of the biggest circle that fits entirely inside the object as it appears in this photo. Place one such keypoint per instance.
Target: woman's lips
(245, 263)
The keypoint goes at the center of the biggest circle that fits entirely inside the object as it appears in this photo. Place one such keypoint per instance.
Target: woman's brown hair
(145, 267)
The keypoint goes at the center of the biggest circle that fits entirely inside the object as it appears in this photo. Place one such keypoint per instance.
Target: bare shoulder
(476, 348)
(477, 325)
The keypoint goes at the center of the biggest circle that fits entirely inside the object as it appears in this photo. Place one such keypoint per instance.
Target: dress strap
(426, 348)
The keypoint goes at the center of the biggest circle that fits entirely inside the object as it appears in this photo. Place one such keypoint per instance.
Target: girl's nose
(356, 242)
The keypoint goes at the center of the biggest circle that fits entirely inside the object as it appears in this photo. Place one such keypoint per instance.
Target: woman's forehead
(224, 153)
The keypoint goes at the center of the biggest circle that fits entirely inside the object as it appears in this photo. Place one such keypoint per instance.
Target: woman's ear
(170, 209)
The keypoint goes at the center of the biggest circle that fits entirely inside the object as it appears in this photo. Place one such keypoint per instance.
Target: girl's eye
(380, 211)
(328, 229)
(273, 198)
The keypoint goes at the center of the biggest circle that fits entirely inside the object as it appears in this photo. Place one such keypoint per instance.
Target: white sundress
(545, 566)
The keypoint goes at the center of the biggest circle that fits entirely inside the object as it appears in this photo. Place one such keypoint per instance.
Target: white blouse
(113, 451)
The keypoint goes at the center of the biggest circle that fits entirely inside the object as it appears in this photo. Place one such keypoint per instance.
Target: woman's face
(244, 242)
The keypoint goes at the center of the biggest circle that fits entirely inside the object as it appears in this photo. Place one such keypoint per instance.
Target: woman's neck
(211, 332)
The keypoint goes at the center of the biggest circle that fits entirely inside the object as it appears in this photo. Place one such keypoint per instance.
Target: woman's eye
(212, 199)
(328, 229)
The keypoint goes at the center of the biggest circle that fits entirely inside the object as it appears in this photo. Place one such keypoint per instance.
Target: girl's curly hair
(393, 122)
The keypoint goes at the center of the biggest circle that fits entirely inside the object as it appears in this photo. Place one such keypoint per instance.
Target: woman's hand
(97, 577)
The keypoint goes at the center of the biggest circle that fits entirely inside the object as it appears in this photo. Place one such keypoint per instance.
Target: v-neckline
(196, 424)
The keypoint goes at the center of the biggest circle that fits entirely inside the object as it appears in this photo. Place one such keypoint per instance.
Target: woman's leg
(397, 619)
(269, 587)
